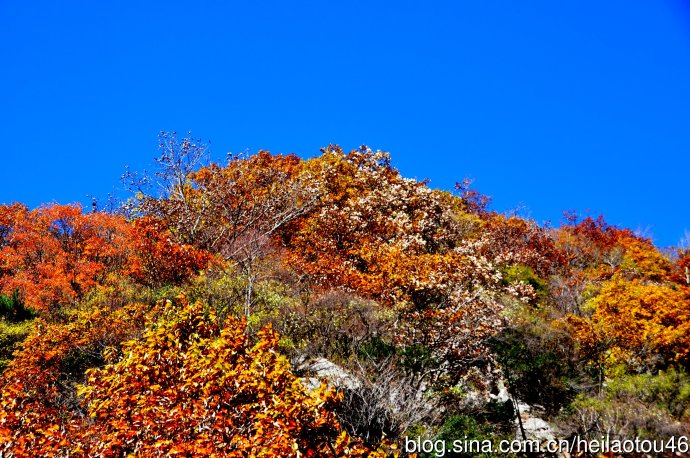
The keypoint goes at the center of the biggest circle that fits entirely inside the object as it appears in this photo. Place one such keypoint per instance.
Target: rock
(524, 410)
(502, 394)
(310, 383)
(536, 429)
(321, 368)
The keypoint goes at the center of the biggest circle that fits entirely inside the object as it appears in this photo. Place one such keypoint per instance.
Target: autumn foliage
(187, 387)
(641, 324)
(39, 403)
(194, 320)
(56, 254)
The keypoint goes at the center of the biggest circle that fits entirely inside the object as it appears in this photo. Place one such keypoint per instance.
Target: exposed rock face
(319, 369)
(535, 428)
(316, 370)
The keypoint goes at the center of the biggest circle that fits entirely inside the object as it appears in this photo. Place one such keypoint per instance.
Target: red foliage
(601, 250)
(157, 259)
(55, 254)
(516, 241)
(681, 269)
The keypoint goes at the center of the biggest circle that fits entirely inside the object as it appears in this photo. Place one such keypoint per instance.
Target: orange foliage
(643, 260)
(516, 241)
(219, 208)
(188, 388)
(409, 247)
(600, 251)
(439, 262)
(39, 406)
(185, 388)
(681, 269)
(375, 232)
(55, 254)
(633, 321)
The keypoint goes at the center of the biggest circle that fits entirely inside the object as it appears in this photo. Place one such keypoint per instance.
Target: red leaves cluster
(157, 259)
(600, 250)
(56, 254)
(219, 208)
(516, 241)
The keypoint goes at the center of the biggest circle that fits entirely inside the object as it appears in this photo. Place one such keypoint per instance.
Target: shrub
(645, 405)
(189, 388)
(386, 402)
(337, 325)
(540, 362)
(11, 336)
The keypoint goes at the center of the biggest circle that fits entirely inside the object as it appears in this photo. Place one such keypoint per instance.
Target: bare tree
(386, 402)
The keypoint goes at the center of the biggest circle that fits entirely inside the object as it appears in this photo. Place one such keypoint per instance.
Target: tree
(189, 388)
(156, 259)
(56, 254)
(639, 324)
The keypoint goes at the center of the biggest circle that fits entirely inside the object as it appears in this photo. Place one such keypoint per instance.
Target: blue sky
(548, 106)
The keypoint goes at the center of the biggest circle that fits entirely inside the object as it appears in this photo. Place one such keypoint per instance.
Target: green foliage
(669, 390)
(539, 361)
(11, 336)
(526, 275)
(12, 308)
(376, 348)
(15, 325)
(653, 406)
(469, 432)
(337, 325)
(500, 413)
(416, 358)
(231, 293)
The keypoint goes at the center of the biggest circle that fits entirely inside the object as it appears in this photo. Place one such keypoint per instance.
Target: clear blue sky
(548, 105)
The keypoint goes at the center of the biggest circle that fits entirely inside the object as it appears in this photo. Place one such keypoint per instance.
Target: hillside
(279, 306)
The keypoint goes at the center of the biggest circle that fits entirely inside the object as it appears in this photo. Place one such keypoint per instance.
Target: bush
(416, 358)
(337, 325)
(14, 326)
(11, 336)
(644, 405)
(376, 348)
(216, 391)
(540, 363)
(464, 428)
(385, 403)
(526, 275)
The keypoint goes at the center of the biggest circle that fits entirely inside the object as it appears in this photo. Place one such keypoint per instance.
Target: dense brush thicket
(192, 320)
